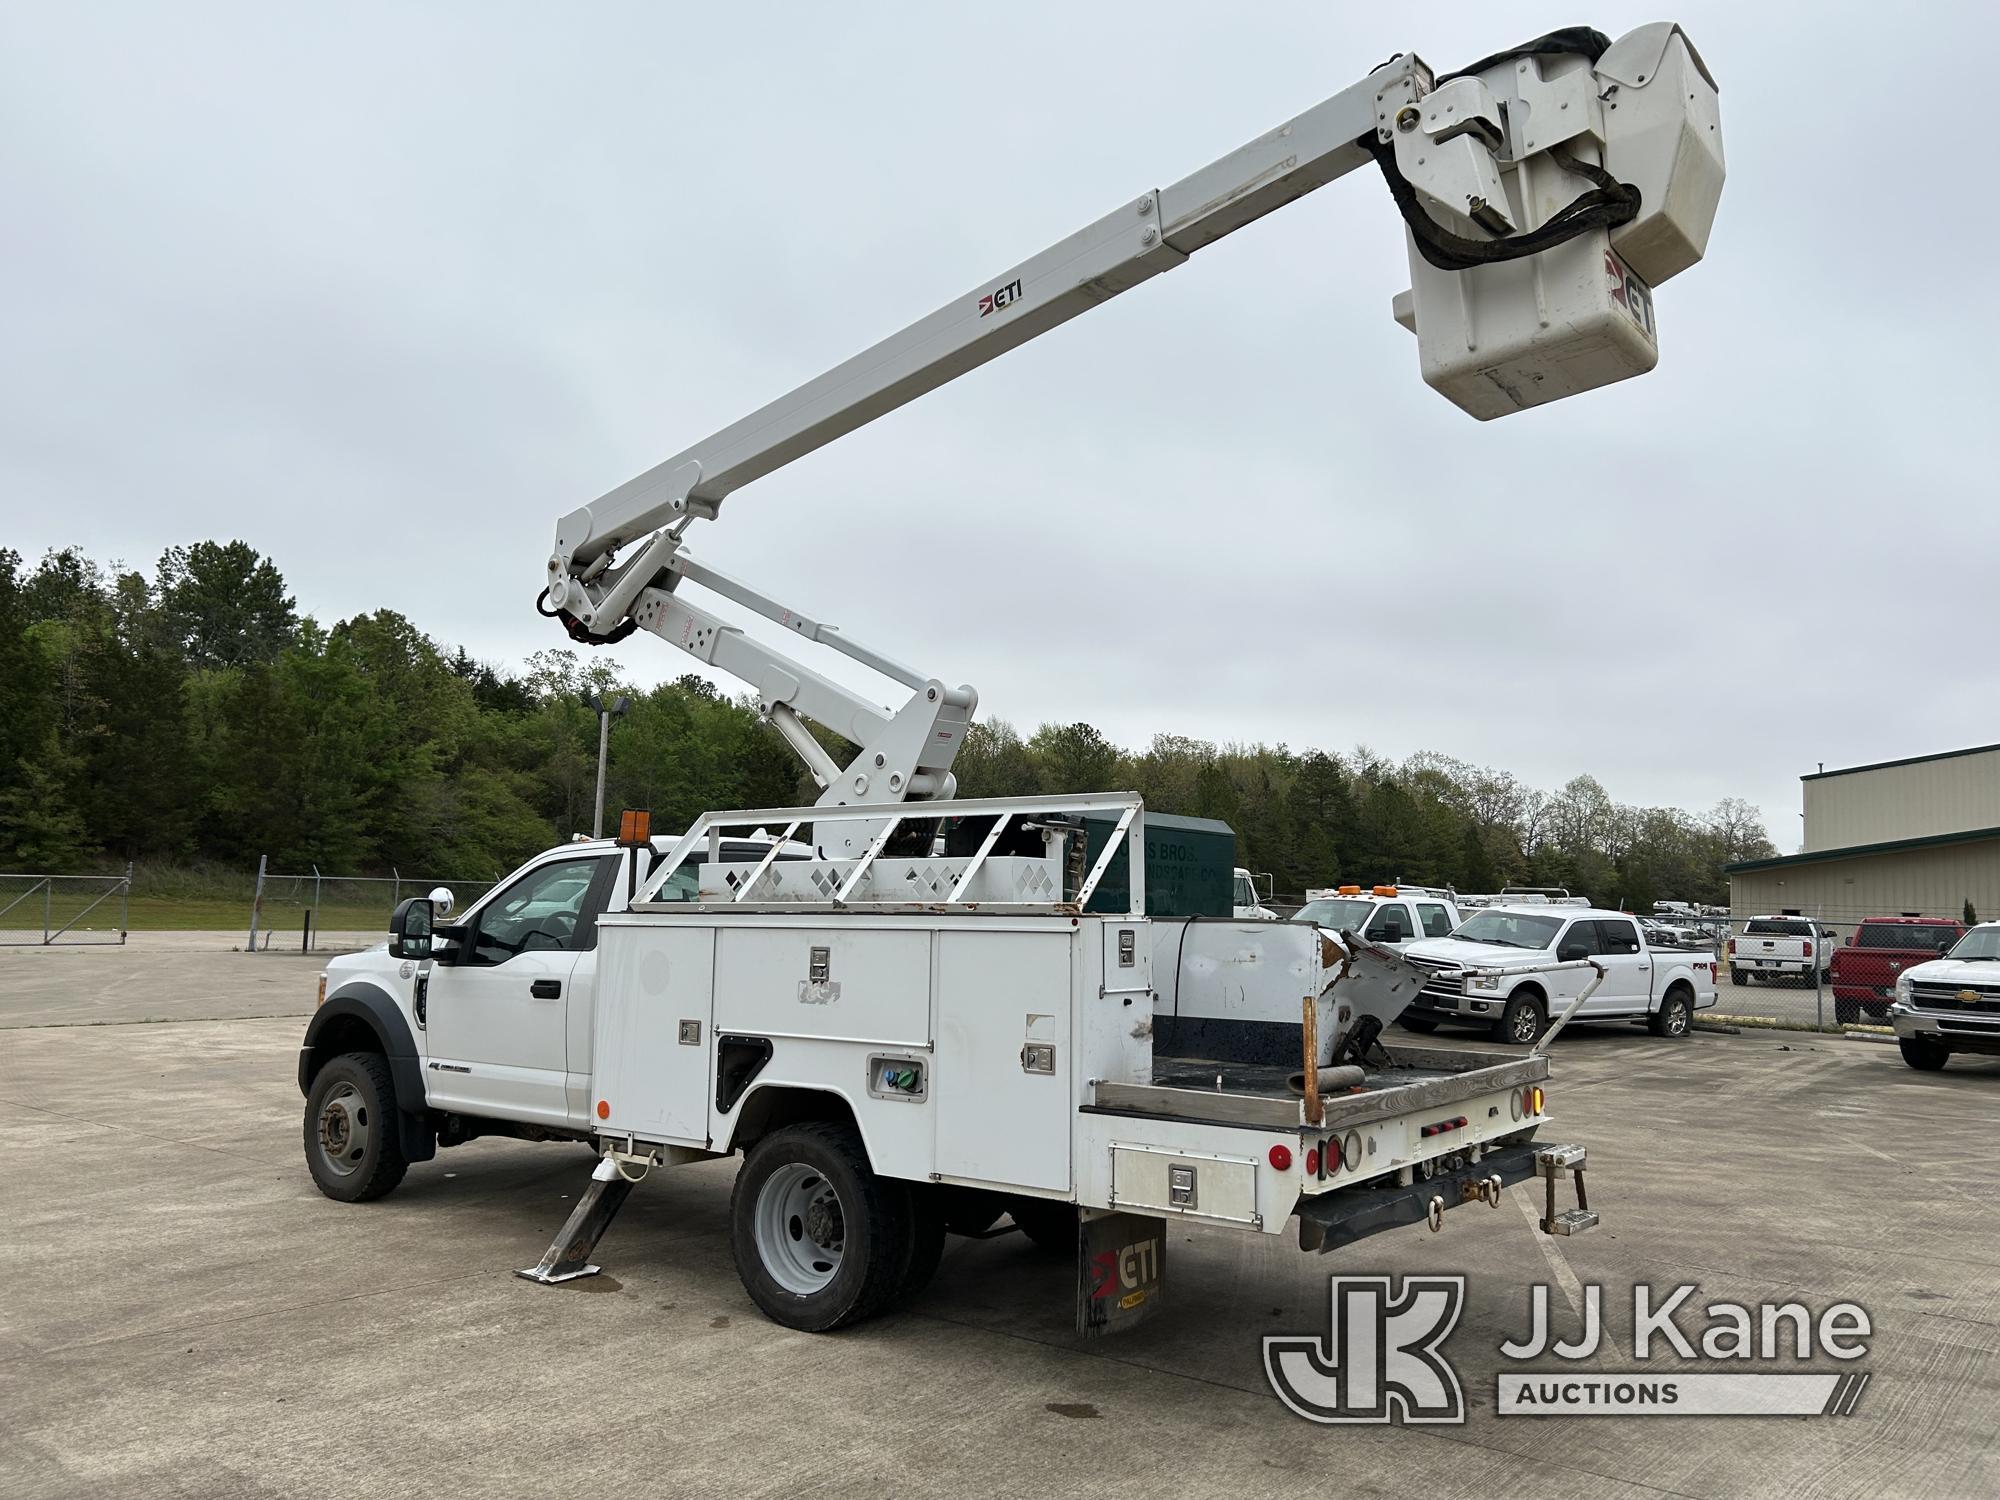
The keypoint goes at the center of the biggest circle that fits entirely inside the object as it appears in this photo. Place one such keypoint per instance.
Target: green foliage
(1971, 916)
(195, 717)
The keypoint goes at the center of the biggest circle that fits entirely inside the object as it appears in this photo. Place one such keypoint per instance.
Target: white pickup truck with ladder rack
(913, 1013)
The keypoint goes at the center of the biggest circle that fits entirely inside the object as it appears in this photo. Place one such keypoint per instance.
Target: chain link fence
(303, 912)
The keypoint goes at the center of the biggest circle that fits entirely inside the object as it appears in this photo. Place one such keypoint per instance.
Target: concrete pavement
(186, 1315)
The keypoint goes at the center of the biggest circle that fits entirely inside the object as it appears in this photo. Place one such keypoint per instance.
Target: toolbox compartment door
(1004, 1063)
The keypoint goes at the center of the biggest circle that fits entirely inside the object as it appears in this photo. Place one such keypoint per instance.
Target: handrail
(1128, 830)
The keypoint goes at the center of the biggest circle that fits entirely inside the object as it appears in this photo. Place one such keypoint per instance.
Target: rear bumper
(1337, 1219)
(1961, 1033)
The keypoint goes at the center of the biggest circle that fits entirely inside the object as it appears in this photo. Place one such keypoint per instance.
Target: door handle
(546, 989)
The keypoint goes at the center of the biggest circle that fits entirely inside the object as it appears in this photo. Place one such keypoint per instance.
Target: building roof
(1856, 851)
(1908, 760)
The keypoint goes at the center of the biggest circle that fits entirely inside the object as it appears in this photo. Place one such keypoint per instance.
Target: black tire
(927, 1230)
(1523, 1021)
(1923, 1054)
(353, 1141)
(1049, 1226)
(1675, 1017)
(1737, 976)
(1421, 1025)
(1878, 1010)
(863, 1228)
(1846, 1012)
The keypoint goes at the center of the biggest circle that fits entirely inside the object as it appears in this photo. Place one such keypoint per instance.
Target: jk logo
(1379, 1360)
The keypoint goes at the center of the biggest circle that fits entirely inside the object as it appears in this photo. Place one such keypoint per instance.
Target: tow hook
(1551, 1164)
(1485, 1190)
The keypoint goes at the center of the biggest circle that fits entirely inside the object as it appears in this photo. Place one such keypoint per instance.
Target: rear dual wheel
(820, 1240)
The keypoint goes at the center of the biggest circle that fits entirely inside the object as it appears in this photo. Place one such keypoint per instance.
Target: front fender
(360, 1006)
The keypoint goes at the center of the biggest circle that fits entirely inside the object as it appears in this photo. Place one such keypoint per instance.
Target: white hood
(1461, 954)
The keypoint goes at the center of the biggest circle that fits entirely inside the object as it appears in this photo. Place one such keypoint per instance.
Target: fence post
(257, 900)
(125, 907)
(395, 888)
(48, 896)
(1819, 998)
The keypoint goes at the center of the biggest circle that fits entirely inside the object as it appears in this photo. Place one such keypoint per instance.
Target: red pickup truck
(1864, 970)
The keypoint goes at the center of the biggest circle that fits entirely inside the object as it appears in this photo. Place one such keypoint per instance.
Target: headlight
(1902, 989)
(1482, 981)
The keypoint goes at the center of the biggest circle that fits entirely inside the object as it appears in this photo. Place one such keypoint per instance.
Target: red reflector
(1281, 1158)
(1312, 1161)
(603, 1109)
(1428, 1130)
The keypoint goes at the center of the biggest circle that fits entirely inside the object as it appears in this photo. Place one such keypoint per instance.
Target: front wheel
(1674, 1018)
(1846, 1012)
(1522, 1021)
(819, 1240)
(1924, 1055)
(353, 1149)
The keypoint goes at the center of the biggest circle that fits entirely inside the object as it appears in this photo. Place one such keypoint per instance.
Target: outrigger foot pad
(1552, 1163)
(569, 1257)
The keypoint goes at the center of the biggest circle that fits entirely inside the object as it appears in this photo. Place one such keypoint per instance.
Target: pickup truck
(903, 1048)
(1394, 916)
(1951, 1004)
(1864, 970)
(1498, 971)
(1782, 947)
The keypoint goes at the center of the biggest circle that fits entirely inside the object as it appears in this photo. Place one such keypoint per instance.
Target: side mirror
(1569, 953)
(410, 929)
(442, 901)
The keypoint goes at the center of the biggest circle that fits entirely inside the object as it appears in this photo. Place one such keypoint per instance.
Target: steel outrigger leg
(1552, 1163)
(568, 1258)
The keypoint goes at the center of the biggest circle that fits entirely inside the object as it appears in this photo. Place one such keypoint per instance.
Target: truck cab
(1393, 916)
(1251, 900)
(496, 1025)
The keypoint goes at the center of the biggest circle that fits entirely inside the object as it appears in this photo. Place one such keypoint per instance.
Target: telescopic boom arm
(1543, 190)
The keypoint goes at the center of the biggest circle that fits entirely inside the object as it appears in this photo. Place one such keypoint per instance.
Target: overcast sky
(385, 290)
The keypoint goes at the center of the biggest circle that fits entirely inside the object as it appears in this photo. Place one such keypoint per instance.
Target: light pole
(608, 708)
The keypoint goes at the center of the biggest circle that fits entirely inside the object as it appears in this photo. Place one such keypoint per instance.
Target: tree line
(196, 716)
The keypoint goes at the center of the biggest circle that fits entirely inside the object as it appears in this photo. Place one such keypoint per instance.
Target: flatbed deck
(1261, 1095)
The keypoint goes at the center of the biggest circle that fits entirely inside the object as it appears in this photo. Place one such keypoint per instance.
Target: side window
(1390, 924)
(544, 909)
(1436, 920)
(1580, 938)
(1615, 937)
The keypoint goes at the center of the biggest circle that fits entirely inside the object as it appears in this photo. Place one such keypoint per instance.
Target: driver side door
(497, 1014)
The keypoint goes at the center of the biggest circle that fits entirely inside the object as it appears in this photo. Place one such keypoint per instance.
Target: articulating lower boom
(1545, 191)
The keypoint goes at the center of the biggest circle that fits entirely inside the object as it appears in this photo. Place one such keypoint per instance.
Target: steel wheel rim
(344, 1130)
(801, 1229)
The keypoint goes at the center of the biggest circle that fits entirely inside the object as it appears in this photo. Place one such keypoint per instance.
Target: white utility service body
(981, 1041)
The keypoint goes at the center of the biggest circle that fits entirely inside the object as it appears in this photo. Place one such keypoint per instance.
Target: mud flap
(1121, 1268)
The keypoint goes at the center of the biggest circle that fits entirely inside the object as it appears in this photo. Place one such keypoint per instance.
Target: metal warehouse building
(1902, 837)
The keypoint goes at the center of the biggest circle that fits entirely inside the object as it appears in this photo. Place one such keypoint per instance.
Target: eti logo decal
(1000, 300)
(1379, 1361)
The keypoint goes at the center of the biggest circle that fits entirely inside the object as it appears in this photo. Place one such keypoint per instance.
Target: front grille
(1948, 997)
(1440, 987)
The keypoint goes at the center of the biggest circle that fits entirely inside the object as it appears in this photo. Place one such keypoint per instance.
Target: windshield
(1246, 893)
(1981, 942)
(1509, 929)
(1895, 935)
(1341, 915)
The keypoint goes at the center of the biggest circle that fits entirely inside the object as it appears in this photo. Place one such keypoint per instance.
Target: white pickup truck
(903, 1047)
(1499, 970)
(1394, 916)
(1782, 947)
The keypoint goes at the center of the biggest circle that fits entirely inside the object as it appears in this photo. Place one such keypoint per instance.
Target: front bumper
(1960, 1031)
